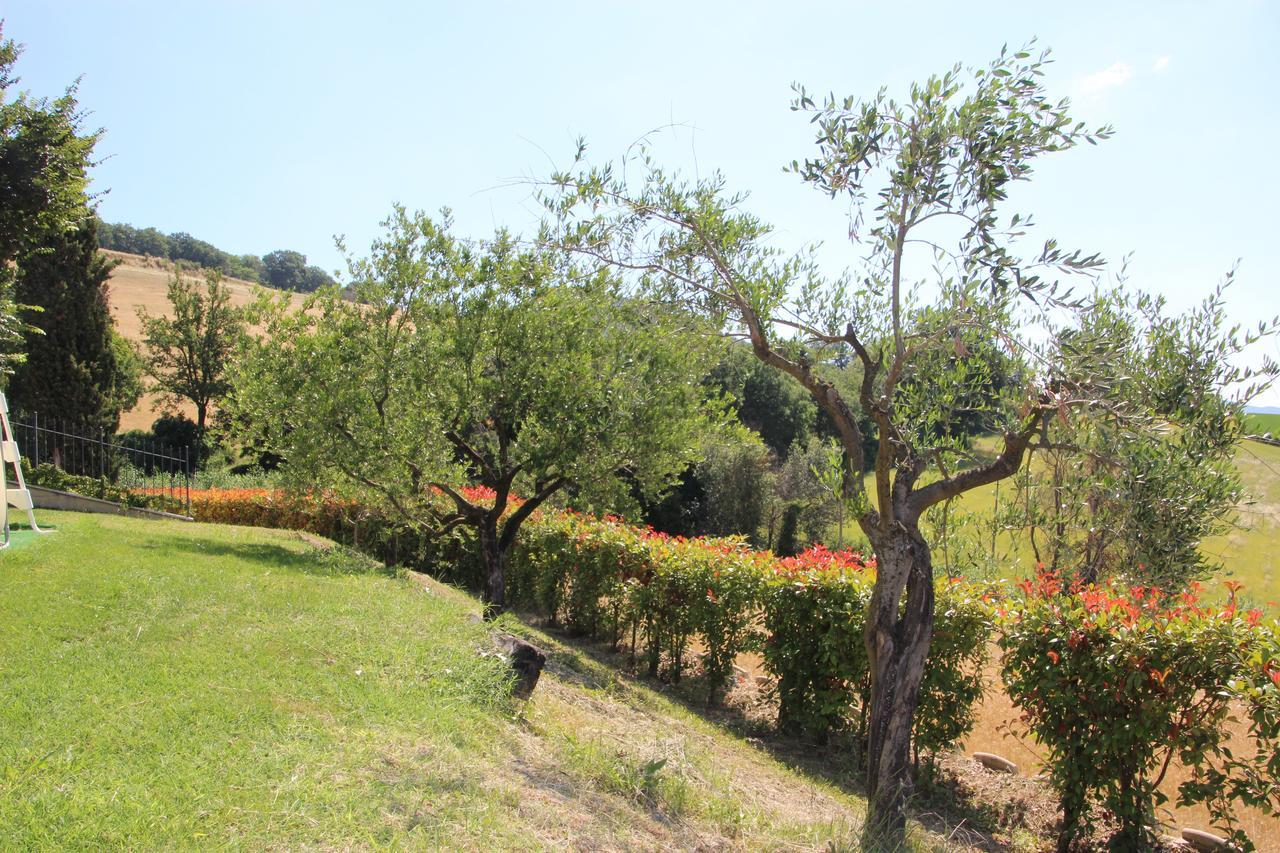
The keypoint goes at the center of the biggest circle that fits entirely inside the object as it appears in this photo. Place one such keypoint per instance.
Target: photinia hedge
(1117, 682)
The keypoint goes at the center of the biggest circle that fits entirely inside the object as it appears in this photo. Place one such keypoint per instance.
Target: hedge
(1117, 681)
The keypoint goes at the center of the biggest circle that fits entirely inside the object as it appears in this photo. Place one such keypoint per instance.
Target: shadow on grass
(334, 561)
(939, 806)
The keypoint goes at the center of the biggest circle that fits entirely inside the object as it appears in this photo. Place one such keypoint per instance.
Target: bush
(1117, 682)
(815, 612)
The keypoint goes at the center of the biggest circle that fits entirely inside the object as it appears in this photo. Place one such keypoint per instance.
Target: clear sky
(266, 125)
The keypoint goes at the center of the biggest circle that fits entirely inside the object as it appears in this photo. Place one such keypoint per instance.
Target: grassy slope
(1258, 423)
(171, 685)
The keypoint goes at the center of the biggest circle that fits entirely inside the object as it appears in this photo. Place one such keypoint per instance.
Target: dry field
(141, 282)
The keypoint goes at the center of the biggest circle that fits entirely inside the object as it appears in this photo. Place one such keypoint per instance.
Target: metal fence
(148, 470)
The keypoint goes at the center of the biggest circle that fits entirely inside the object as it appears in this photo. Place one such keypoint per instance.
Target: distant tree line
(283, 269)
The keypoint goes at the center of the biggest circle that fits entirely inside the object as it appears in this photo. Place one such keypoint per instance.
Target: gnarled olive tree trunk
(897, 637)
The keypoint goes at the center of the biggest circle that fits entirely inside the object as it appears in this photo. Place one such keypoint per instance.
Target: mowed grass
(1260, 424)
(168, 685)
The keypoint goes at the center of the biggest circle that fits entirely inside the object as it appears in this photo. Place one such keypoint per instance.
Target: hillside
(141, 281)
(167, 685)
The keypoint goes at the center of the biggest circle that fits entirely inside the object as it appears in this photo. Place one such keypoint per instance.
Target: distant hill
(141, 281)
(283, 268)
(1263, 410)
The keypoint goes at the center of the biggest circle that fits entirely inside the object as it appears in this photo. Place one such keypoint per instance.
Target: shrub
(815, 613)
(815, 608)
(52, 477)
(1117, 682)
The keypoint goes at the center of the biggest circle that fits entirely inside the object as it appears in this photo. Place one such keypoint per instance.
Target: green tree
(738, 483)
(928, 171)
(44, 160)
(1134, 495)
(72, 369)
(285, 269)
(188, 353)
(780, 411)
(489, 366)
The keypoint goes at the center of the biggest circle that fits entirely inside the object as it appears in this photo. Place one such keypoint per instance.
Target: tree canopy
(77, 367)
(45, 154)
(482, 364)
(188, 354)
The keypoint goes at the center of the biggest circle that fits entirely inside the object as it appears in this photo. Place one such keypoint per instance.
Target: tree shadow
(333, 561)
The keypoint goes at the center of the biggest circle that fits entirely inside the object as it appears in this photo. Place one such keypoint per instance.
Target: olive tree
(925, 178)
(1135, 496)
(447, 364)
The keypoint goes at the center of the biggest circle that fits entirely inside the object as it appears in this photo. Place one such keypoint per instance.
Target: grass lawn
(180, 685)
(1260, 424)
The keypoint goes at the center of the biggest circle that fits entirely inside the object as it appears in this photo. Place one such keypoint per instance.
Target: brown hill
(141, 282)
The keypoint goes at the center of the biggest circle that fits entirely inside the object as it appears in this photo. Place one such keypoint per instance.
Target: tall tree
(188, 353)
(72, 369)
(44, 160)
(475, 365)
(926, 177)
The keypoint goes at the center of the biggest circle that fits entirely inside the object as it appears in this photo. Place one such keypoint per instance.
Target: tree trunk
(494, 559)
(202, 414)
(897, 639)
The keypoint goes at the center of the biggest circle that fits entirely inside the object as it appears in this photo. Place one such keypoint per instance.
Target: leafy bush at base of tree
(815, 616)
(1117, 682)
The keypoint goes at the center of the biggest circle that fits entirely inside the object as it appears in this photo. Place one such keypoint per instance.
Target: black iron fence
(147, 472)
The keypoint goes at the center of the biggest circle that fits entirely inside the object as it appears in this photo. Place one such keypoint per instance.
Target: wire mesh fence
(147, 471)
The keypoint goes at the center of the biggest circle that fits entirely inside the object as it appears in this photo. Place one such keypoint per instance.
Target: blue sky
(265, 125)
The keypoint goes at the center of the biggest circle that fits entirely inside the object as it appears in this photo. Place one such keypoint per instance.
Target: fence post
(102, 453)
(186, 475)
(35, 416)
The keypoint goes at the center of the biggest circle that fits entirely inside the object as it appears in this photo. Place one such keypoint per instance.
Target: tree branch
(512, 525)
(1004, 465)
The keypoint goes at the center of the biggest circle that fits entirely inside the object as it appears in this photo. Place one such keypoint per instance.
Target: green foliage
(77, 368)
(130, 369)
(737, 480)
(1116, 682)
(764, 400)
(1134, 485)
(44, 161)
(485, 364)
(289, 271)
(189, 353)
(815, 612)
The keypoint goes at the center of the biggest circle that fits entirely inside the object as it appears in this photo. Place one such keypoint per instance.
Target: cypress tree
(71, 371)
